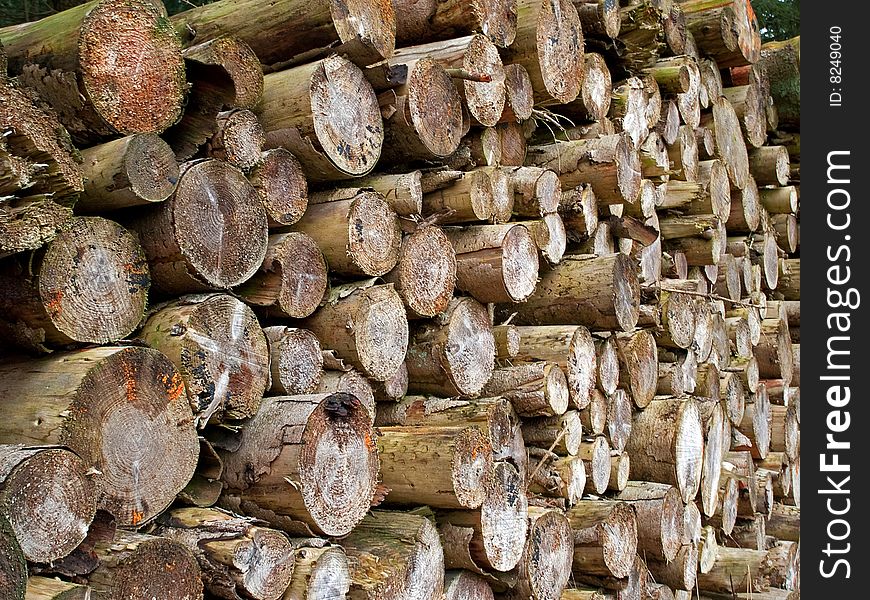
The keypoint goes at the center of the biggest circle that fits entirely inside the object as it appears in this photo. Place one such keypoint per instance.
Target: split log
(593, 103)
(628, 109)
(236, 555)
(746, 210)
(453, 355)
(295, 360)
(49, 498)
(549, 44)
(292, 280)
(678, 319)
(562, 433)
(304, 109)
(216, 343)
(320, 571)
(123, 410)
(785, 229)
(536, 389)
(666, 444)
(349, 381)
(641, 36)
(537, 191)
(426, 272)
(596, 458)
(780, 60)
(366, 326)
(108, 67)
(774, 351)
(443, 467)
(495, 263)
(138, 565)
(659, 510)
(130, 171)
(460, 584)
(312, 459)
(90, 284)
(211, 234)
(756, 422)
(601, 292)
(281, 184)
(599, 18)
(545, 567)
(605, 538)
(289, 30)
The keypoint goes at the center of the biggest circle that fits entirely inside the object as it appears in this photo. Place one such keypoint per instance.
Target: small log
(730, 147)
(519, 99)
(13, 565)
(660, 513)
(679, 573)
(281, 184)
(756, 422)
(563, 433)
(349, 381)
(469, 198)
(366, 326)
(733, 396)
(507, 341)
(678, 320)
(683, 152)
(599, 18)
(596, 458)
(545, 567)
(44, 588)
(784, 522)
(620, 470)
(292, 280)
(593, 102)
(90, 284)
(605, 538)
(558, 477)
(223, 71)
(328, 429)
(770, 166)
(320, 570)
(460, 584)
(727, 32)
(669, 122)
(536, 389)
(458, 343)
(238, 139)
(537, 191)
(619, 418)
(607, 359)
(123, 410)
(594, 415)
(716, 441)
(628, 109)
(736, 569)
(638, 366)
(426, 272)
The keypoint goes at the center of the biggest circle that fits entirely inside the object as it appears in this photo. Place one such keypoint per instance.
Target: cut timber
(90, 284)
(734, 396)
(774, 351)
(281, 184)
(423, 116)
(571, 347)
(351, 382)
(495, 263)
(279, 31)
(641, 35)
(124, 411)
(638, 365)
(507, 341)
(310, 458)
(227, 68)
(727, 32)
(559, 477)
(395, 556)
(784, 522)
(443, 467)
(537, 389)
(549, 44)
(679, 573)
(216, 343)
(746, 209)
(13, 565)
(366, 326)
(460, 584)
(730, 147)
(107, 66)
(292, 280)
(48, 497)
(519, 100)
(426, 271)
(659, 511)
(599, 17)
(600, 292)
(537, 191)
(44, 588)
(440, 19)
(238, 139)
(135, 565)
(563, 433)
(605, 538)
(608, 364)
(295, 360)
(131, 171)
(211, 234)
(619, 419)
(781, 62)
(620, 469)
(785, 228)
(468, 198)
(326, 113)
(579, 211)
(770, 166)
(321, 572)
(454, 354)
(609, 164)
(358, 236)
(596, 458)
(736, 569)
(789, 280)
(628, 109)
(236, 555)
(500, 526)
(666, 444)
(678, 319)
(749, 104)
(545, 567)
(594, 415)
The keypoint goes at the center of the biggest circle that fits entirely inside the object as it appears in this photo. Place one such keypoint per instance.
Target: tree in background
(778, 19)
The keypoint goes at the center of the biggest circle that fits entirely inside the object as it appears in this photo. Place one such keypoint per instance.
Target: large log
(326, 113)
(605, 539)
(445, 19)
(48, 497)
(123, 410)
(107, 66)
(211, 234)
(237, 556)
(90, 284)
(279, 32)
(216, 343)
(726, 31)
(312, 459)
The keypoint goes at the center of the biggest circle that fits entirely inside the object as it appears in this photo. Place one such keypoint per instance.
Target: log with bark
(304, 462)
(320, 570)
(295, 360)
(605, 539)
(562, 433)
(123, 410)
(595, 454)
(545, 567)
(439, 19)
(727, 32)
(460, 584)
(107, 66)
(535, 389)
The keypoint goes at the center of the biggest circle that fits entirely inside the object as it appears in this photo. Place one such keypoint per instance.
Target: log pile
(399, 300)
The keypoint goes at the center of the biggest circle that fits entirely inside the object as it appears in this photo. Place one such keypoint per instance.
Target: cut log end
(560, 50)
(520, 95)
(546, 563)
(519, 263)
(503, 517)
(381, 333)
(296, 360)
(485, 100)
(281, 184)
(373, 22)
(498, 20)
(430, 86)
(374, 235)
(132, 67)
(426, 272)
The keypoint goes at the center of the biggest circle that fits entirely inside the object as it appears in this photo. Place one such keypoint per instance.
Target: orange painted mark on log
(53, 306)
(750, 11)
(136, 517)
(174, 385)
(370, 444)
(129, 380)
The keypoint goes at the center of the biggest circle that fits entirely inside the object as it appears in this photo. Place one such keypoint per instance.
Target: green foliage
(778, 19)
(13, 12)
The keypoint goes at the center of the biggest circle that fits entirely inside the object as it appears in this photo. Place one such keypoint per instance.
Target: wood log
(594, 415)
(595, 454)
(426, 271)
(733, 396)
(365, 30)
(608, 296)
(136, 565)
(586, 594)
(619, 418)
(786, 232)
(595, 91)
(322, 475)
(366, 326)
(40, 588)
(320, 571)
(607, 359)
(628, 109)
(123, 410)
(750, 105)
(507, 341)
(666, 444)
(678, 319)
(281, 185)
(469, 198)
(90, 284)
(641, 36)
(537, 191)
(683, 152)
(458, 343)
(558, 477)
(736, 569)
(500, 526)
(659, 510)
(35, 221)
(770, 166)
(605, 538)
(727, 32)
(784, 430)
(295, 360)
(519, 99)
(292, 280)
(108, 67)
(679, 573)
(303, 110)
(460, 584)
(774, 351)
(236, 555)
(495, 263)
(599, 18)
(549, 44)
(562, 433)
(238, 139)
(784, 522)
(352, 382)
(669, 122)
(730, 147)
(545, 567)
(536, 389)
(48, 497)
(130, 171)
(211, 234)
(443, 467)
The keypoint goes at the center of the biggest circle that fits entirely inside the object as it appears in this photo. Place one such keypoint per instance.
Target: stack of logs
(399, 300)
